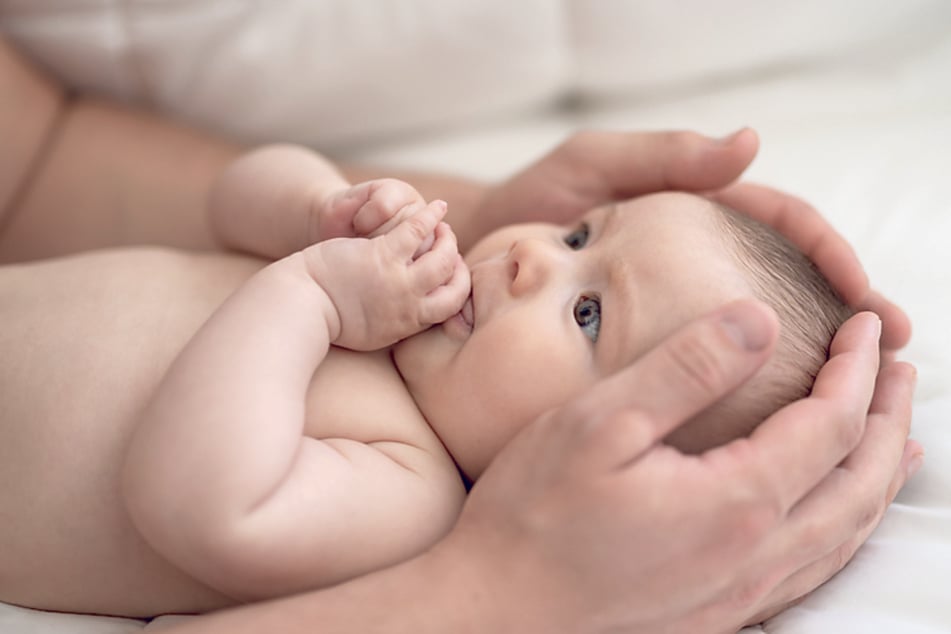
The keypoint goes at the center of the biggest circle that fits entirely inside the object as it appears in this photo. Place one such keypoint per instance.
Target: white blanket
(852, 100)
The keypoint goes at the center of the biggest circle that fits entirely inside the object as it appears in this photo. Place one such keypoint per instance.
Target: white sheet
(860, 126)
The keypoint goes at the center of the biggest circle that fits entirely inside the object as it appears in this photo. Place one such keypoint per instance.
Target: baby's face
(556, 308)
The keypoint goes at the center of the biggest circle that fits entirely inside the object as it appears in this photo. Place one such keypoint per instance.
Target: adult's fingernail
(728, 139)
(877, 327)
(748, 327)
(915, 465)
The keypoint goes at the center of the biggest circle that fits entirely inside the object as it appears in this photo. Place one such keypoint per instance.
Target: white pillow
(647, 46)
(323, 72)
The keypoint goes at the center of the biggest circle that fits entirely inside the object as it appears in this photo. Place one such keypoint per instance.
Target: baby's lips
(467, 312)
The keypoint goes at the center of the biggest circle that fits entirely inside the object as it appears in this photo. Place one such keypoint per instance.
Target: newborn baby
(183, 432)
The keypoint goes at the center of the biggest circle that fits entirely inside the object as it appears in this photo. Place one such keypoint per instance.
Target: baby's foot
(367, 210)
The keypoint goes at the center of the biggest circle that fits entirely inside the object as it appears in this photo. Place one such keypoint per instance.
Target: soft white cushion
(335, 73)
(324, 73)
(651, 46)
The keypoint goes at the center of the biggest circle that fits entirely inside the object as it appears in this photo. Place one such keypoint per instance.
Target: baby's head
(556, 308)
(810, 312)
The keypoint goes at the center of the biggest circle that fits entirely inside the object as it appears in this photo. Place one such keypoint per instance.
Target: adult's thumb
(631, 411)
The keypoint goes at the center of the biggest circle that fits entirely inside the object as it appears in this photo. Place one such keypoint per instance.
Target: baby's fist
(390, 287)
(367, 210)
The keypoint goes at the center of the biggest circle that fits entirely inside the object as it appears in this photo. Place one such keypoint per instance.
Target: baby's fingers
(440, 278)
(435, 267)
(385, 202)
(448, 299)
(413, 232)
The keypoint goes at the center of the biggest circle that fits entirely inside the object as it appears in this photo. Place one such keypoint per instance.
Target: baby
(182, 432)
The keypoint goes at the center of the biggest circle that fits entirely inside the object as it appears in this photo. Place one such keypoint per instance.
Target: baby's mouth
(467, 312)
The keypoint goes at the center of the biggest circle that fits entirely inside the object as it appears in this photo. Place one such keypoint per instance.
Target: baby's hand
(367, 210)
(381, 291)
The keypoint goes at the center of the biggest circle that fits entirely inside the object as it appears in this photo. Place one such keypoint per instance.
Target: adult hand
(587, 523)
(808, 230)
(591, 168)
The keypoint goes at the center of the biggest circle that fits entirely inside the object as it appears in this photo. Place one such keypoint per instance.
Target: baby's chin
(413, 357)
(417, 356)
(400, 351)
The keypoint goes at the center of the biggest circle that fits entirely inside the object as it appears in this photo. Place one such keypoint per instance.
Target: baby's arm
(277, 199)
(220, 478)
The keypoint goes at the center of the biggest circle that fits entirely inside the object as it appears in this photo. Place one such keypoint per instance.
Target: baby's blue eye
(579, 237)
(588, 316)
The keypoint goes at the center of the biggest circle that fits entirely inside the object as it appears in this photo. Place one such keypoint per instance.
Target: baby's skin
(183, 432)
(84, 359)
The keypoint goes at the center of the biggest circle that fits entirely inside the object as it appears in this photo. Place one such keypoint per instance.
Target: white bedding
(852, 100)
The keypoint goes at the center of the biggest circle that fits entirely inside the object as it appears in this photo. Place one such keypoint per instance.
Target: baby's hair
(810, 312)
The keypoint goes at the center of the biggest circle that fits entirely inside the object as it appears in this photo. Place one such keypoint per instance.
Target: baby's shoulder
(358, 403)
(361, 396)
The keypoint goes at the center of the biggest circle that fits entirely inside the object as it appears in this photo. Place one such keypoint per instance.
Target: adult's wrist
(429, 594)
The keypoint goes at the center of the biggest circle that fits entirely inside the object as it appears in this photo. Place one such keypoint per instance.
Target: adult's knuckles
(848, 418)
(754, 518)
(869, 510)
(814, 534)
(696, 365)
(755, 506)
(749, 595)
(575, 417)
(582, 141)
(679, 141)
(839, 557)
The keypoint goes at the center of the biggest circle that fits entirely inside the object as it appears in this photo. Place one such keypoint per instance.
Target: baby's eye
(579, 237)
(588, 316)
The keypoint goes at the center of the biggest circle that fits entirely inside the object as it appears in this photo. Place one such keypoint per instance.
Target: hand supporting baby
(397, 271)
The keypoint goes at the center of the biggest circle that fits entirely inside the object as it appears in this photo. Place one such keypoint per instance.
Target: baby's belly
(84, 342)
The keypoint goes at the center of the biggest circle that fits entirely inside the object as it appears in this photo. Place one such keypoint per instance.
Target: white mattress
(853, 104)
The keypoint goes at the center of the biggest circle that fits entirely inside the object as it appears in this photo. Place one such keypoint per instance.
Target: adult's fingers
(800, 583)
(629, 412)
(805, 227)
(826, 528)
(802, 442)
(896, 326)
(851, 499)
(889, 421)
(611, 166)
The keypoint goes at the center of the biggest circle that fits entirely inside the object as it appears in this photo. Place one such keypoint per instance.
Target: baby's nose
(531, 264)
